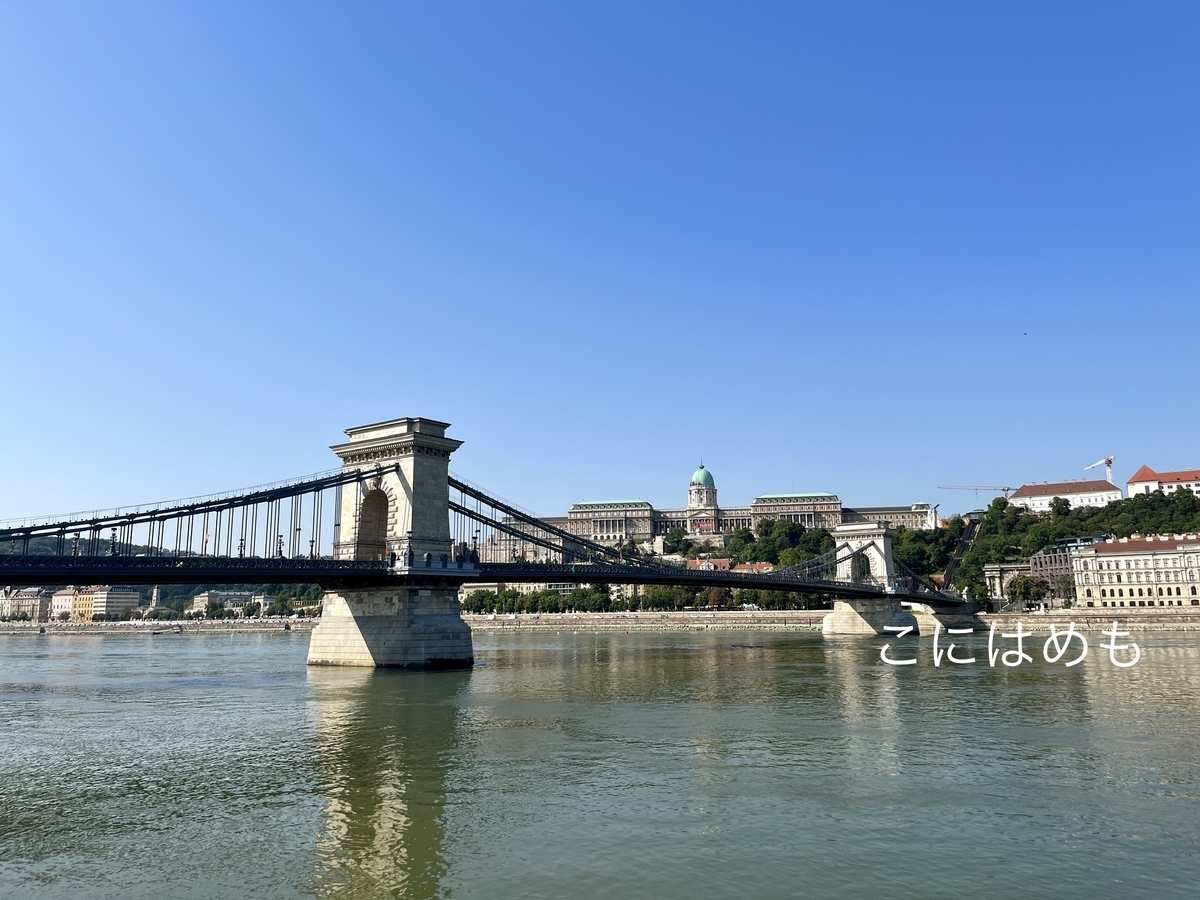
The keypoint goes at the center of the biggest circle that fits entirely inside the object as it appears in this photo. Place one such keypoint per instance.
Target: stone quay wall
(186, 626)
(724, 620)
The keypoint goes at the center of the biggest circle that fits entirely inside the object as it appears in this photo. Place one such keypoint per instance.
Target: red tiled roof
(1062, 489)
(1181, 475)
(1145, 473)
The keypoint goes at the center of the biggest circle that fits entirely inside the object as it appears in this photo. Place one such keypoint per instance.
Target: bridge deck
(349, 574)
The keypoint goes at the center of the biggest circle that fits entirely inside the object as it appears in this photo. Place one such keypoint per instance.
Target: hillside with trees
(1008, 532)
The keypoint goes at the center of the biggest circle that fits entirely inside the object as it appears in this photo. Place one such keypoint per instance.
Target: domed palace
(617, 521)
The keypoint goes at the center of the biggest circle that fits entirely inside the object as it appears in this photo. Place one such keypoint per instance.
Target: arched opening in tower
(372, 526)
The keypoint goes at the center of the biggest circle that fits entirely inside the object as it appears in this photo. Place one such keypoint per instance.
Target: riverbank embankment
(719, 620)
(723, 620)
(162, 626)
(810, 621)
(1096, 620)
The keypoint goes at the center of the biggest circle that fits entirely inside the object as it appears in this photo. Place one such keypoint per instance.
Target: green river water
(595, 765)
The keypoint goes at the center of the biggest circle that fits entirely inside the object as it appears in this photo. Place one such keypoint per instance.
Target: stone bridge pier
(864, 551)
(398, 511)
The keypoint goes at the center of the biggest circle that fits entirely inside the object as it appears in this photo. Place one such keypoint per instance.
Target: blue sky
(863, 248)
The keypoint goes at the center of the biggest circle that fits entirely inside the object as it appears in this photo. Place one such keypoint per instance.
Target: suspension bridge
(391, 536)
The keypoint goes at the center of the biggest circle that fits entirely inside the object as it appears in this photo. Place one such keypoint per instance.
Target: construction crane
(1107, 463)
(977, 487)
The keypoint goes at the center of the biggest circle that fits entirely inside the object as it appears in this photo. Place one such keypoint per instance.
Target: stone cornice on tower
(394, 439)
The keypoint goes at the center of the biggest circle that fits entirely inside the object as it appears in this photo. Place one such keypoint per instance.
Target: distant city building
(1037, 498)
(532, 587)
(31, 603)
(1146, 481)
(1143, 570)
(82, 603)
(102, 600)
(60, 602)
(234, 600)
(1053, 562)
(727, 565)
(916, 517)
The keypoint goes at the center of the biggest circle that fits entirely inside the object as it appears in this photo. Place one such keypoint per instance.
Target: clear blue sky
(863, 248)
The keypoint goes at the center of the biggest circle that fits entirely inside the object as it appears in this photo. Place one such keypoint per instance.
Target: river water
(594, 765)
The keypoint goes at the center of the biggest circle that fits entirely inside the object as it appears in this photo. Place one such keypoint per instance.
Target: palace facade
(704, 519)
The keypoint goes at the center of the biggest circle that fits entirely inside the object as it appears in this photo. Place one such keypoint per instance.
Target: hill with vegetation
(1007, 533)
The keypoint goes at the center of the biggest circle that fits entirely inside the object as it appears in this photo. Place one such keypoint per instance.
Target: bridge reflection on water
(386, 743)
(671, 765)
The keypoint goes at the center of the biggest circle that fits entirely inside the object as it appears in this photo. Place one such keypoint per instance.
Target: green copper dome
(703, 477)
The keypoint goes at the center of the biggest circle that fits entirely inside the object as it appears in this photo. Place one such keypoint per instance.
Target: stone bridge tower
(864, 554)
(399, 506)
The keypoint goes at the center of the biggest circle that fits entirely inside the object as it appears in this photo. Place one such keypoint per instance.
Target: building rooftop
(1145, 473)
(818, 495)
(1063, 488)
(1146, 543)
(703, 477)
(612, 503)
(909, 507)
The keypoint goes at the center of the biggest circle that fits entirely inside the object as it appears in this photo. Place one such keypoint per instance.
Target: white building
(228, 600)
(114, 600)
(1146, 481)
(914, 517)
(1150, 570)
(1038, 498)
(60, 602)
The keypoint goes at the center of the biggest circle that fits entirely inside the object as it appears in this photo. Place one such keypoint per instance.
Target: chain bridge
(392, 535)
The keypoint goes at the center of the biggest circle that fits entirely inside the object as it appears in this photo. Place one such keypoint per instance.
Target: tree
(1064, 587)
(927, 552)
(778, 542)
(479, 601)
(1028, 591)
(676, 541)
(662, 597)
